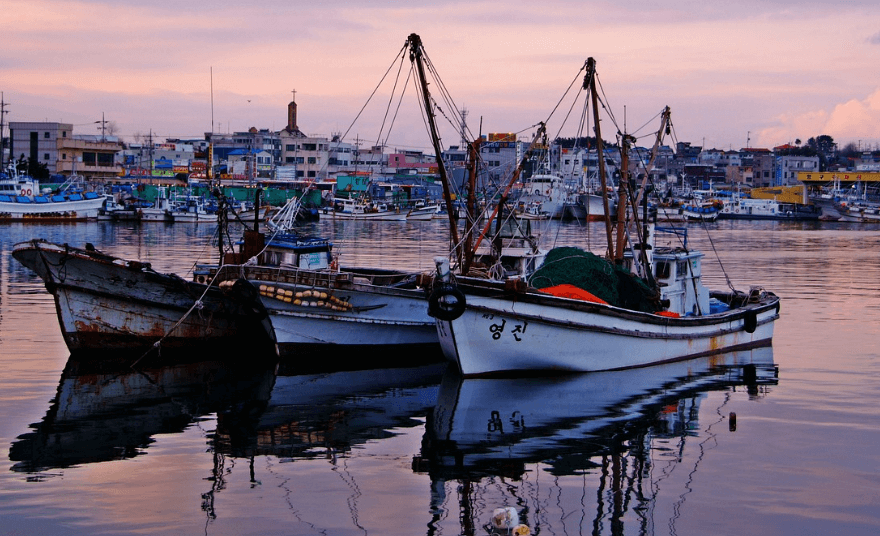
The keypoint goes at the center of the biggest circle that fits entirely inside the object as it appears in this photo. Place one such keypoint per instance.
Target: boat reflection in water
(105, 412)
(573, 454)
(320, 414)
(608, 428)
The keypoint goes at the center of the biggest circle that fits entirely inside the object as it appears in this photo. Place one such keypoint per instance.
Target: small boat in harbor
(190, 209)
(359, 209)
(22, 199)
(744, 208)
(111, 306)
(706, 211)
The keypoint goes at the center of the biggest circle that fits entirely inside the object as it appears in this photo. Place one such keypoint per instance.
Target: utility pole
(3, 112)
(103, 127)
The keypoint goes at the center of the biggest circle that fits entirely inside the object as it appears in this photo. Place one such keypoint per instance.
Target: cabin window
(682, 269)
(664, 270)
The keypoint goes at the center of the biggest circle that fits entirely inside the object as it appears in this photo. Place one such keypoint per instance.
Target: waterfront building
(54, 144)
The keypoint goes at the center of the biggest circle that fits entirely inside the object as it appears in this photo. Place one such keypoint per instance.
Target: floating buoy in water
(505, 517)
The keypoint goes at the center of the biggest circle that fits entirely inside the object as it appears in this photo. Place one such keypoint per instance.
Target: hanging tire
(750, 322)
(446, 303)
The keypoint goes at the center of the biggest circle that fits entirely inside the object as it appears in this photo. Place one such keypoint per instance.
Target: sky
(756, 73)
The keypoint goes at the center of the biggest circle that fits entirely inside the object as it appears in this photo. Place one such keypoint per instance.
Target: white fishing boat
(575, 315)
(190, 209)
(488, 327)
(107, 305)
(160, 209)
(548, 190)
(359, 209)
(707, 211)
(744, 208)
(22, 199)
(422, 212)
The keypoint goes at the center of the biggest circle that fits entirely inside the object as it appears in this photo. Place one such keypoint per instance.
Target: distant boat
(422, 212)
(190, 209)
(109, 306)
(744, 208)
(358, 209)
(21, 199)
(706, 211)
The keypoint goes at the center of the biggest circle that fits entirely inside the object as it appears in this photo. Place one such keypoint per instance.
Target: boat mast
(471, 212)
(590, 85)
(416, 52)
(539, 136)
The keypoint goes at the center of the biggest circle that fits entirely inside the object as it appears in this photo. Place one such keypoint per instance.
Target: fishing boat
(111, 306)
(22, 199)
(574, 315)
(705, 211)
(744, 208)
(190, 208)
(360, 209)
(160, 211)
(859, 211)
(316, 306)
(422, 212)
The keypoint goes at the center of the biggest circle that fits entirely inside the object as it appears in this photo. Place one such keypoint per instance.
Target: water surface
(205, 448)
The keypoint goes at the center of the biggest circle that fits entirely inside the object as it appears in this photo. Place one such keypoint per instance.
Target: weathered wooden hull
(501, 332)
(357, 311)
(106, 304)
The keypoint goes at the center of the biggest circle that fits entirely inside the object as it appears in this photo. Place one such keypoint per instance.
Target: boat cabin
(678, 272)
(295, 251)
(519, 253)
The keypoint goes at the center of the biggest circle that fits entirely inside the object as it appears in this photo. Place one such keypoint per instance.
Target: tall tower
(291, 115)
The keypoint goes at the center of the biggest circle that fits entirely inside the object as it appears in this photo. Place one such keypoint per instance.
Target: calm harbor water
(789, 447)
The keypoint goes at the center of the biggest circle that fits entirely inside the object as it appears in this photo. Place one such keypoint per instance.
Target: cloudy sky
(762, 72)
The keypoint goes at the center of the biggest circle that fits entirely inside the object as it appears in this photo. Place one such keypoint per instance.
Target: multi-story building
(54, 145)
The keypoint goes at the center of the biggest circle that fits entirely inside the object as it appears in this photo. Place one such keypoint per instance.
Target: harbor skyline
(754, 74)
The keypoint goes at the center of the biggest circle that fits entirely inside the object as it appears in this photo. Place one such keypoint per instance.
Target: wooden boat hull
(352, 309)
(501, 332)
(108, 305)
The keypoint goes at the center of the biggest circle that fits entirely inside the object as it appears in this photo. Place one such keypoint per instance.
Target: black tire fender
(750, 321)
(446, 303)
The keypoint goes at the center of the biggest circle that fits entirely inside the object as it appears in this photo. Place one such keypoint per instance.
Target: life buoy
(750, 321)
(446, 303)
(27, 191)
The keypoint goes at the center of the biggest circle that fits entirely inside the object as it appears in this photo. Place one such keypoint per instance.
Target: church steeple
(291, 115)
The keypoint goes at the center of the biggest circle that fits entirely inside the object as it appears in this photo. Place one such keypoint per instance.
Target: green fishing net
(614, 284)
